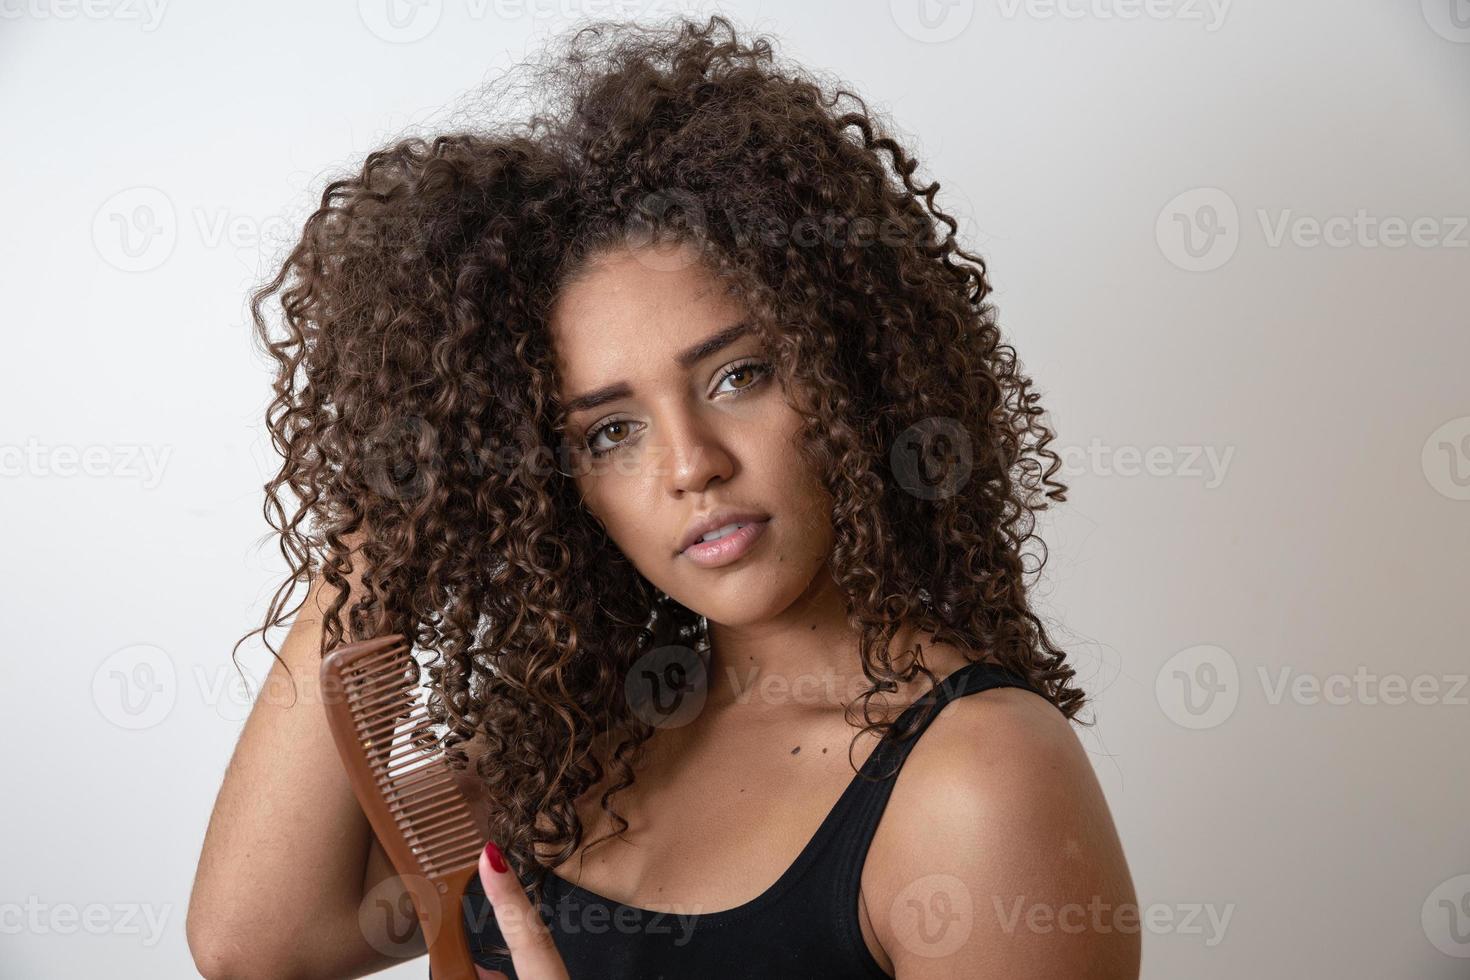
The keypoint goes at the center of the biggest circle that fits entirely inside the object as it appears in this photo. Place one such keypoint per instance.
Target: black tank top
(804, 926)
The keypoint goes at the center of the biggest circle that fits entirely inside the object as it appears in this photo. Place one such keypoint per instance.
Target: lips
(716, 520)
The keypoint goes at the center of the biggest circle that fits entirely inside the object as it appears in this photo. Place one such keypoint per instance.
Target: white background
(156, 161)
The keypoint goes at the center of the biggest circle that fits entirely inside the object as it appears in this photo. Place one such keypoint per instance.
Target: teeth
(721, 532)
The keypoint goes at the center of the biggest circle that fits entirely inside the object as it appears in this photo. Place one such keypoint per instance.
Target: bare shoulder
(1003, 760)
(997, 826)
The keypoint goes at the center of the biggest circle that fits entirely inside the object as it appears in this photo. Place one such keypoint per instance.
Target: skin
(998, 766)
(287, 834)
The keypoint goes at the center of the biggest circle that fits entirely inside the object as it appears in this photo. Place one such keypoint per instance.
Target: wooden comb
(408, 793)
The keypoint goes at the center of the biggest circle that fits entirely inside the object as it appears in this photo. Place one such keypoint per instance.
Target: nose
(697, 454)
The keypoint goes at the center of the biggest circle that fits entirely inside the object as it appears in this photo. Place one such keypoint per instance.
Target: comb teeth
(384, 735)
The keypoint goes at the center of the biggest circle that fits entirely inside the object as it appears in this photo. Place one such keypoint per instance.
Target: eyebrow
(685, 359)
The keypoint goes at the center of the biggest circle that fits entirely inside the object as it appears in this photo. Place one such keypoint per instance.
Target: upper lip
(715, 520)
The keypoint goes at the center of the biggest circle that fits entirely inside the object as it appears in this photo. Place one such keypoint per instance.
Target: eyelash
(761, 369)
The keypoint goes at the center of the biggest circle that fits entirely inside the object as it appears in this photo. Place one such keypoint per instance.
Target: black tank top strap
(893, 749)
(835, 876)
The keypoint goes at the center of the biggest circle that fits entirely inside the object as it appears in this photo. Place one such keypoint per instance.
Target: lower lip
(712, 554)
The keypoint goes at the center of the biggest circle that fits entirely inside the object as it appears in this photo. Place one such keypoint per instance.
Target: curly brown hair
(417, 415)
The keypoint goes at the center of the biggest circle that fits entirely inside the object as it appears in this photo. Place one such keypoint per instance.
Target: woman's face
(674, 416)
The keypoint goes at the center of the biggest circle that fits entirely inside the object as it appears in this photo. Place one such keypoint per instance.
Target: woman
(676, 425)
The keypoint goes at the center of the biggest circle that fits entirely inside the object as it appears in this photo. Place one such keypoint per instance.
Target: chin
(755, 594)
(728, 603)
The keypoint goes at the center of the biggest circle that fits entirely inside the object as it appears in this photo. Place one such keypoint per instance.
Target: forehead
(631, 310)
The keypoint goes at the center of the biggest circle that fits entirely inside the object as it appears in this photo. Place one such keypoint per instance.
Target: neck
(806, 659)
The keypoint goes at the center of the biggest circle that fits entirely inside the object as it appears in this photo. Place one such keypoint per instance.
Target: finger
(532, 948)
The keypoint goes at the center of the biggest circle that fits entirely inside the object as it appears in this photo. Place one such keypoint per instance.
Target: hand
(532, 948)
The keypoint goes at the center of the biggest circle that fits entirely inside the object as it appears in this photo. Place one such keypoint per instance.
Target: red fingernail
(497, 860)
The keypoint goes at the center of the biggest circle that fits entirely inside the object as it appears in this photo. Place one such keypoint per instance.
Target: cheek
(796, 486)
(626, 520)
(595, 503)
(780, 448)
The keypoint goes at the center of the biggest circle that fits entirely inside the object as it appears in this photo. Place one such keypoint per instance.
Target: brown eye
(752, 371)
(600, 431)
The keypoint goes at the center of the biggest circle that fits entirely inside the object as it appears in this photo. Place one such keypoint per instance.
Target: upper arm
(290, 880)
(997, 856)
